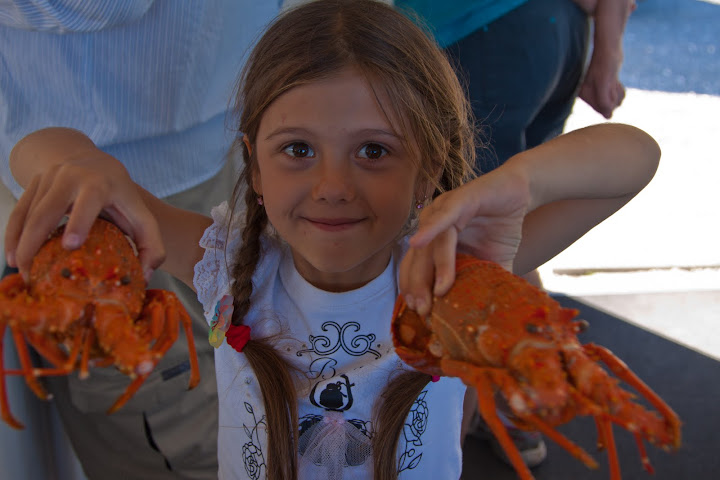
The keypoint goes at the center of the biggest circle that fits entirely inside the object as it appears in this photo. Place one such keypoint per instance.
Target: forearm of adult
(64, 16)
(610, 18)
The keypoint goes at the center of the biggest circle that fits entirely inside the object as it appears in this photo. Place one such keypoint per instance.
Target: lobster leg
(160, 331)
(63, 364)
(643, 454)
(484, 379)
(173, 314)
(510, 387)
(550, 432)
(128, 393)
(162, 309)
(26, 365)
(479, 378)
(194, 366)
(4, 404)
(619, 368)
(88, 340)
(605, 427)
(163, 321)
(601, 443)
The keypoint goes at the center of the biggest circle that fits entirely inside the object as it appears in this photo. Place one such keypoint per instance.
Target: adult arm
(601, 87)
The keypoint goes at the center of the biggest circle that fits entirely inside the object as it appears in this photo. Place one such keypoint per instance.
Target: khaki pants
(165, 431)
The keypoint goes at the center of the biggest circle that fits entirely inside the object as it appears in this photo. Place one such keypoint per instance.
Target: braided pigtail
(248, 255)
(391, 412)
(273, 373)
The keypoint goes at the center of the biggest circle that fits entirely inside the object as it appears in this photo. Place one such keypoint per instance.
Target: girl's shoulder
(221, 241)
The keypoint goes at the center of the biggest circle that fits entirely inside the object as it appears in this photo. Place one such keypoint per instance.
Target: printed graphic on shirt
(330, 440)
(332, 397)
(253, 457)
(339, 338)
(412, 431)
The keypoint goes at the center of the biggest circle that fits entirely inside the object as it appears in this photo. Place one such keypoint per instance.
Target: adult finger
(416, 279)
(429, 271)
(16, 221)
(620, 93)
(444, 249)
(46, 210)
(86, 208)
(149, 243)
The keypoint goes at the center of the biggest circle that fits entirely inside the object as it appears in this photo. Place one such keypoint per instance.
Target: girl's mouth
(334, 224)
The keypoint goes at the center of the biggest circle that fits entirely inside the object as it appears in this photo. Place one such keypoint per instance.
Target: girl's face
(337, 183)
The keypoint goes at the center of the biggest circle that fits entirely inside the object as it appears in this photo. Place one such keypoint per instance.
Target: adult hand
(601, 87)
(82, 187)
(483, 218)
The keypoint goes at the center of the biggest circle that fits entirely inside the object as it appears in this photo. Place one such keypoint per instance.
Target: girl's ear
(246, 141)
(424, 191)
(426, 186)
(255, 171)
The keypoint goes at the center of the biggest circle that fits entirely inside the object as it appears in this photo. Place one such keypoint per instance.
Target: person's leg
(573, 46)
(512, 68)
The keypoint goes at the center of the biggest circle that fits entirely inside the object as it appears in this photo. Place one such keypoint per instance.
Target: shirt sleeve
(70, 16)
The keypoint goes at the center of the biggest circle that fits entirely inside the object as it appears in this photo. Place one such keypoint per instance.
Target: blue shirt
(149, 81)
(451, 20)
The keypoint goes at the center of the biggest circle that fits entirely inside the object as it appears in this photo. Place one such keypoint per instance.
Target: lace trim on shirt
(211, 273)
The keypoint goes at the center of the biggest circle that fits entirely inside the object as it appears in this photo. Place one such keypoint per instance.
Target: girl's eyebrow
(361, 133)
(287, 130)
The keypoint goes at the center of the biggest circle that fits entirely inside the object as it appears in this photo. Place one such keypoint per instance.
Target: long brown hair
(312, 42)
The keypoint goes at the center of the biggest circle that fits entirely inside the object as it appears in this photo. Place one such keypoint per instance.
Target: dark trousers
(523, 72)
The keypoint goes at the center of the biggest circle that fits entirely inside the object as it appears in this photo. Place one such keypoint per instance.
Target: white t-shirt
(342, 343)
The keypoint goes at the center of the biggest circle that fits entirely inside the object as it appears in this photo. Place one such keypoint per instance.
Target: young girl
(351, 121)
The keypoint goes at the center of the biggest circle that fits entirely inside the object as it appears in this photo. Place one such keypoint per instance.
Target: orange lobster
(497, 332)
(89, 307)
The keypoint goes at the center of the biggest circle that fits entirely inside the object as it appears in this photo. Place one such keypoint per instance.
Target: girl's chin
(338, 273)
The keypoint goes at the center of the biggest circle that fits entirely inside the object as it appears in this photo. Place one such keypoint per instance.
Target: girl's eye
(299, 150)
(372, 151)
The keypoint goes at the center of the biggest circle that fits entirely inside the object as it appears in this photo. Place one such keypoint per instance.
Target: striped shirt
(150, 82)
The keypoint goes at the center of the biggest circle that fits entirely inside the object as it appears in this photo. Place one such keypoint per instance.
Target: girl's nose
(333, 183)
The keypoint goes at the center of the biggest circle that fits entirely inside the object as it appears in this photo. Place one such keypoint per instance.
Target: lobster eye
(125, 280)
(65, 272)
(532, 328)
(581, 325)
